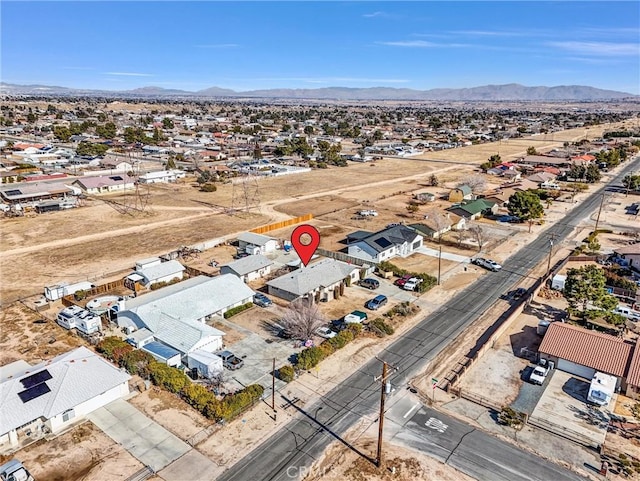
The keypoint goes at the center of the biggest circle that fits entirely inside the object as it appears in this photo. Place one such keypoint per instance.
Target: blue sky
(251, 45)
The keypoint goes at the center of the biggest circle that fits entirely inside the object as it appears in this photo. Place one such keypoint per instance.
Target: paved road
(467, 449)
(302, 440)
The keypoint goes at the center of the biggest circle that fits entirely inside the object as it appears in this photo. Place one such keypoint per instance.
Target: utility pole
(384, 390)
(599, 210)
(273, 386)
(552, 237)
(439, 258)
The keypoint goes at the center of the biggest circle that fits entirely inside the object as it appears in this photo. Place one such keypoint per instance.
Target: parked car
(376, 303)
(370, 283)
(240, 255)
(326, 332)
(368, 213)
(412, 284)
(338, 325)
(487, 264)
(403, 280)
(14, 471)
(261, 300)
(539, 373)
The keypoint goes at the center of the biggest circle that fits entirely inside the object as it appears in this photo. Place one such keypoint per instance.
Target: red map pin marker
(305, 251)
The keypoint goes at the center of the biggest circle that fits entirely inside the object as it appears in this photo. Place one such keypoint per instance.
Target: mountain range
(507, 92)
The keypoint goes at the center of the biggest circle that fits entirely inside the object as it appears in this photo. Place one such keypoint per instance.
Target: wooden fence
(341, 256)
(70, 300)
(282, 224)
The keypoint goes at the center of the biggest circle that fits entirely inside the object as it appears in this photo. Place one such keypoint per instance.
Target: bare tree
(434, 181)
(478, 235)
(302, 318)
(461, 235)
(438, 221)
(477, 182)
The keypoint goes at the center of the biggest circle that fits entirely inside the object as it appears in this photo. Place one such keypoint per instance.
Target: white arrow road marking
(436, 424)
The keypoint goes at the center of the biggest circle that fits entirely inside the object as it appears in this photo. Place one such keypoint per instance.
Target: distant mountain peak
(501, 92)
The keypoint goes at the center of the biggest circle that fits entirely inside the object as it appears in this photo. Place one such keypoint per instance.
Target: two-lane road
(301, 441)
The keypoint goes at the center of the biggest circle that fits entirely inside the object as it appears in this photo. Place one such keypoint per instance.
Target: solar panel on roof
(37, 378)
(13, 192)
(33, 393)
(383, 242)
(116, 177)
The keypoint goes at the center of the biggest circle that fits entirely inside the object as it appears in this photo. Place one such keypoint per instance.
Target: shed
(163, 353)
(460, 193)
(53, 293)
(207, 364)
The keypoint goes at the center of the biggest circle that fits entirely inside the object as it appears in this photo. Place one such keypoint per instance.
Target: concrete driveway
(564, 405)
(147, 441)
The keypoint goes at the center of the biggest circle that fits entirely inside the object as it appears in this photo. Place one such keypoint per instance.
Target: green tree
(108, 130)
(631, 181)
(31, 117)
(167, 123)
(309, 130)
(525, 205)
(532, 151)
(62, 133)
(592, 174)
(491, 162)
(584, 286)
(171, 163)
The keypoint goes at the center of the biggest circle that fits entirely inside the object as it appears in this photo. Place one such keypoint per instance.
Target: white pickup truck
(539, 373)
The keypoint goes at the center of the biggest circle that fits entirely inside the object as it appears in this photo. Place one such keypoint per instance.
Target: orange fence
(282, 224)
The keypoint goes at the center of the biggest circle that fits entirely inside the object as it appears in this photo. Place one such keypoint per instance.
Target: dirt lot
(83, 453)
(340, 462)
(170, 412)
(24, 336)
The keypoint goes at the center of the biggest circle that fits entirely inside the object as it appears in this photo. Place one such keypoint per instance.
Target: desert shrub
(197, 396)
(286, 373)
(137, 362)
(510, 417)
(170, 378)
(310, 357)
(111, 346)
(380, 327)
(208, 187)
(327, 349)
(235, 310)
(234, 404)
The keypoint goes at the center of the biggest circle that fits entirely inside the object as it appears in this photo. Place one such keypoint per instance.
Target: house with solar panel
(51, 396)
(103, 184)
(394, 241)
(176, 316)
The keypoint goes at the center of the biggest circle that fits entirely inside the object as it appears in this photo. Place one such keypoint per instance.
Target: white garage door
(576, 369)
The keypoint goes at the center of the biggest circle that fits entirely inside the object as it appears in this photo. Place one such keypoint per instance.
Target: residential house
(544, 160)
(475, 209)
(52, 395)
(320, 281)
(176, 314)
(631, 254)
(398, 240)
(461, 193)
(584, 352)
(211, 155)
(33, 191)
(116, 164)
(248, 268)
(253, 243)
(105, 184)
(542, 177)
(156, 273)
(161, 176)
(428, 227)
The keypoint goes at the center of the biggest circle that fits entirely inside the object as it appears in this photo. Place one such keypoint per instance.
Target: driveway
(147, 441)
(530, 394)
(564, 406)
(427, 251)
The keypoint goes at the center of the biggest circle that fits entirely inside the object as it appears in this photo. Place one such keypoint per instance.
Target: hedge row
(428, 281)
(236, 310)
(380, 327)
(311, 356)
(175, 381)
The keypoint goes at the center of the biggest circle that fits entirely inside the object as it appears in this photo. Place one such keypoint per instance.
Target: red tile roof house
(582, 352)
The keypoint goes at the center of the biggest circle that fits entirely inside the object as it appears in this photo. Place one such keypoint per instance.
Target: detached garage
(582, 352)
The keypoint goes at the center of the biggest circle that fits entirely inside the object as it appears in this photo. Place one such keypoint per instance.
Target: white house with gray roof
(386, 244)
(50, 396)
(317, 281)
(176, 314)
(253, 243)
(158, 272)
(248, 268)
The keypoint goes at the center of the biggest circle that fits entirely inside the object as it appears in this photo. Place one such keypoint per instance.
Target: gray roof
(161, 270)
(321, 274)
(254, 239)
(172, 312)
(465, 189)
(249, 264)
(76, 377)
(384, 239)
